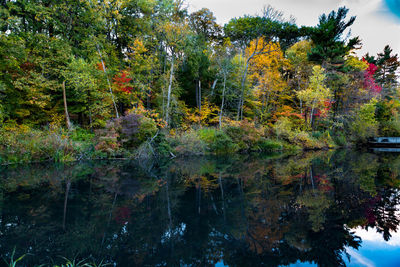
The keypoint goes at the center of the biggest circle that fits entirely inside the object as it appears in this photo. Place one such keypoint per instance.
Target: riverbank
(22, 144)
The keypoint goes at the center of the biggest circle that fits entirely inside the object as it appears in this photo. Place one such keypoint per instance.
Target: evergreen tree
(329, 45)
(386, 75)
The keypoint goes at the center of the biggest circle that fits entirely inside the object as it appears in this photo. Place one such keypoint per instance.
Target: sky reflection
(374, 250)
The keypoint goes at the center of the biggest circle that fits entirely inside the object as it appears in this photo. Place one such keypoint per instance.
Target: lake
(328, 208)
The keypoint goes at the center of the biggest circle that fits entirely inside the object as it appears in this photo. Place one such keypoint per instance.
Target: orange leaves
(151, 114)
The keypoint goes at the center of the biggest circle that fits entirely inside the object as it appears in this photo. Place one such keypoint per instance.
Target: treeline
(88, 64)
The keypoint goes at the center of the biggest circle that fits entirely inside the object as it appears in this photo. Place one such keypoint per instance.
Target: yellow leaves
(139, 47)
(174, 33)
(298, 53)
(207, 116)
(265, 72)
(355, 64)
(151, 114)
(317, 91)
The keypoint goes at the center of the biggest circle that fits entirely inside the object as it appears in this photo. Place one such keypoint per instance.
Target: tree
(87, 92)
(203, 23)
(223, 57)
(329, 45)
(174, 33)
(265, 74)
(317, 93)
(386, 75)
(300, 68)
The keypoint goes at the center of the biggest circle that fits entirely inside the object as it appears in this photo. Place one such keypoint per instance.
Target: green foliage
(283, 128)
(148, 60)
(82, 135)
(340, 139)
(13, 262)
(217, 141)
(271, 145)
(246, 136)
(22, 144)
(188, 144)
(364, 125)
(329, 44)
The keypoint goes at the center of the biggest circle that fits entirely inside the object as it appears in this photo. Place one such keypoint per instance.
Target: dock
(385, 142)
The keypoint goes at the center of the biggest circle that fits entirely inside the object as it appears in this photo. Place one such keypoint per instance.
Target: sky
(377, 23)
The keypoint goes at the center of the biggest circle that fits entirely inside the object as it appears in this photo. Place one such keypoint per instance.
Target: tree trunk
(67, 120)
(171, 76)
(223, 102)
(197, 93)
(312, 113)
(241, 99)
(213, 86)
(108, 81)
(199, 96)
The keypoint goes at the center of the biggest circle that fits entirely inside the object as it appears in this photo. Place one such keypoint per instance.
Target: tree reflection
(247, 210)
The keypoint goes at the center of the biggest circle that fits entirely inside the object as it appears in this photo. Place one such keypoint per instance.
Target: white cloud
(374, 24)
(377, 238)
(357, 257)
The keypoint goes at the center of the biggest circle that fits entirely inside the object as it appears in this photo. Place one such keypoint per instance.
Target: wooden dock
(388, 142)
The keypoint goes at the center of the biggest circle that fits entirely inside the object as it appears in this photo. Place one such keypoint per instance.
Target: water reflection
(315, 209)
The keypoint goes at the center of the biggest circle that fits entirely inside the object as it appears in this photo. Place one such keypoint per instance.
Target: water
(320, 208)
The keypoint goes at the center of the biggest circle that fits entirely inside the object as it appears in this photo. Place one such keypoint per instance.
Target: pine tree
(386, 75)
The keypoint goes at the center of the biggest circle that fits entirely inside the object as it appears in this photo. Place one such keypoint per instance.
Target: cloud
(377, 23)
(377, 238)
(393, 7)
(363, 261)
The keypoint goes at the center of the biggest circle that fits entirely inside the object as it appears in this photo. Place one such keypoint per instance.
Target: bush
(340, 139)
(23, 144)
(188, 143)
(246, 136)
(326, 140)
(127, 132)
(283, 128)
(217, 141)
(391, 127)
(271, 145)
(82, 135)
(364, 125)
(304, 140)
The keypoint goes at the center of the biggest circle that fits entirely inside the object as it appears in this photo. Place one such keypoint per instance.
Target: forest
(85, 79)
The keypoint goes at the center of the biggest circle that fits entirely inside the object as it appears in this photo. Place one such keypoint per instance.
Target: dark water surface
(320, 208)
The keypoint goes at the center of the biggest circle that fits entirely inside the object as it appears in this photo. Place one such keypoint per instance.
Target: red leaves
(122, 82)
(369, 81)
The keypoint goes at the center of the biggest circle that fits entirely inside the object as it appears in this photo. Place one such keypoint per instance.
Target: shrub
(207, 135)
(147, 129)
(271, 145)
(283, 128)
(108, 139)
(82, 135)
(246, 136)
(304, 140)
(326, 140)
(188, 143)
(217, 141)
(391, 127)
(364, 125)
(127, 132)
(340, 139)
